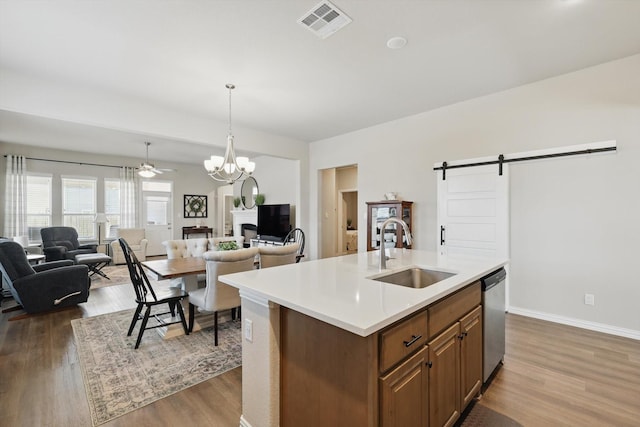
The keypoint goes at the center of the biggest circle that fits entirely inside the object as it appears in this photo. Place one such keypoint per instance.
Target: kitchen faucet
(405, 227)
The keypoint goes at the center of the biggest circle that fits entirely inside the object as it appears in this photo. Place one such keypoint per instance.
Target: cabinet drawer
(402, 339)
(452, 308)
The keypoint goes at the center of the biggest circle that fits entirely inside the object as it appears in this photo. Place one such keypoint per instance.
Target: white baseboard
(584, 324)
(244, 422)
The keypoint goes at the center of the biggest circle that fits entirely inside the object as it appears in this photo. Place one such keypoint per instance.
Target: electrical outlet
(248, 330)
(589, 299)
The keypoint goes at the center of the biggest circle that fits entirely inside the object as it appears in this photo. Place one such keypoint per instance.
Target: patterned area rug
(481, 416)
(118, 275)
(119, 379)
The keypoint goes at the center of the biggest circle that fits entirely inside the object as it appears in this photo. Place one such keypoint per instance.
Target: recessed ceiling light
(396, 42)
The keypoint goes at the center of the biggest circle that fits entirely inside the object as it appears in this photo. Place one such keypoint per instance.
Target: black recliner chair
(42, 287)
(60, 243)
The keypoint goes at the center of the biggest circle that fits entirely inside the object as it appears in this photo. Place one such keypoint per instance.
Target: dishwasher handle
(492, 279)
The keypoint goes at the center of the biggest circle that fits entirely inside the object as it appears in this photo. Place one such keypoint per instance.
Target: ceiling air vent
(324, 19)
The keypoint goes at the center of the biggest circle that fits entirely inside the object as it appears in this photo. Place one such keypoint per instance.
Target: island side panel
(328, 376)
(260, 363)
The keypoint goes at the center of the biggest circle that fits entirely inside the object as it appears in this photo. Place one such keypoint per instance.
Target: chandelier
(229, 168)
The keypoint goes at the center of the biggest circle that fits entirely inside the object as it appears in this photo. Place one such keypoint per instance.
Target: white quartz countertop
(340, 291)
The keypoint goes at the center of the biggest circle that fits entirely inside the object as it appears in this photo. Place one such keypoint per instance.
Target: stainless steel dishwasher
(493, 324)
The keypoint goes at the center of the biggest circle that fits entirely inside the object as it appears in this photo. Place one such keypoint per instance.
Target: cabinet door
(404, 393)
(444, 378)
(470, 355)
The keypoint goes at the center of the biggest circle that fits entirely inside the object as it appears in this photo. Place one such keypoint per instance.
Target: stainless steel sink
(414, 277)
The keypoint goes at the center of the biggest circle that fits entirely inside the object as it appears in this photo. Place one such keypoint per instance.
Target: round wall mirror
(248, 192)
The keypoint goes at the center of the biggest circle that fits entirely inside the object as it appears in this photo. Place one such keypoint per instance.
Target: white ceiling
(179, 54)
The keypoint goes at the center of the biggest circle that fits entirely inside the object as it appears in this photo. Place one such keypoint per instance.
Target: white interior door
(473, 213)
(157, 214)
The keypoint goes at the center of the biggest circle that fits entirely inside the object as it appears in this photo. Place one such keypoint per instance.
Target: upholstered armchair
(62, 243)
(136, 240)
(186, 248)
(42, 287)
(273, 256)
(218, 296)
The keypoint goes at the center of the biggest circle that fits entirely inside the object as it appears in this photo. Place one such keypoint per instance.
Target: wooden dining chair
(147, 297)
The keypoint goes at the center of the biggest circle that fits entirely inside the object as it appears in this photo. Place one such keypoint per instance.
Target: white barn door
(473, 213)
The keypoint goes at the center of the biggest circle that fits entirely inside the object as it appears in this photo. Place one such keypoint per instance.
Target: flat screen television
(274, 222)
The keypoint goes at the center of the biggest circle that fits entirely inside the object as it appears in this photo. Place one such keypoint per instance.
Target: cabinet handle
(462, 335)
(413, 340)
(429, 363)
(441, 235)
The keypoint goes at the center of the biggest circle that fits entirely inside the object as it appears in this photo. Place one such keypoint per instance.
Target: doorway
(339, 211)
(157, 214)
(348, 221)
(225, 205)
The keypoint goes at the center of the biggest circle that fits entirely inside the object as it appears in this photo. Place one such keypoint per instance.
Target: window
(112, 205)
(79, 205)
(38, 205)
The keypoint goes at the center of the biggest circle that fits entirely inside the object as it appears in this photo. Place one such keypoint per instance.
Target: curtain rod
(73, 163)
(501, 160)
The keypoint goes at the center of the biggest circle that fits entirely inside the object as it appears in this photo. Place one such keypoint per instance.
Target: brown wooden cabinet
(404, 393)
(444, 378)
(421, 371)
(378, 212)
(455, 355)
(470, 360)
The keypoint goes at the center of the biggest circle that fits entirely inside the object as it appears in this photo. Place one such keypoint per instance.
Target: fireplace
(243, 216)
(248, 231)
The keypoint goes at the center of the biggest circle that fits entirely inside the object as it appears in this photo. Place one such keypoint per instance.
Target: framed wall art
(195, 206)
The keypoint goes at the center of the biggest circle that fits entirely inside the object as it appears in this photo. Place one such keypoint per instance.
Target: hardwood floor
(41, 382)
(554, 375)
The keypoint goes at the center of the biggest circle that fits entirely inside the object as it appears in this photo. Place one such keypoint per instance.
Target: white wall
(280, 181)
(75, 103)
(574, 221)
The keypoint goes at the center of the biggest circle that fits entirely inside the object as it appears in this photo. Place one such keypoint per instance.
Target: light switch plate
(248, 330)
(589, 299)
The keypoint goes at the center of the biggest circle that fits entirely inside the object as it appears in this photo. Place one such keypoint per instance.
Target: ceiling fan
(148, 170)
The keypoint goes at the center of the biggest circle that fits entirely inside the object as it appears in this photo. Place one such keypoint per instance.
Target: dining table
(187, 271)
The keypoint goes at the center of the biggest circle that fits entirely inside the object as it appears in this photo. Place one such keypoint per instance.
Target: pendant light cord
(230, 87)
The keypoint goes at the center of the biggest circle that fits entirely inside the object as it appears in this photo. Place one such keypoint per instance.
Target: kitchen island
(340, 305)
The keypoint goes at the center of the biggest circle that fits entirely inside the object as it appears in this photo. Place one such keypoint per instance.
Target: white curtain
(15, 199)
(128, 197)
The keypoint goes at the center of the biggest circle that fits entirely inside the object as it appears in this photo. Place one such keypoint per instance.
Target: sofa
(136, 240)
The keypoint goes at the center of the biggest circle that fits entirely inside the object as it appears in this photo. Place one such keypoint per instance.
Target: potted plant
(236, 202)
(227, 246)
(259, 199)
